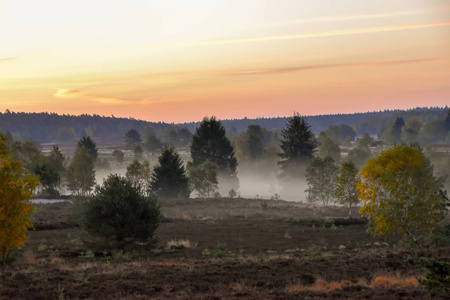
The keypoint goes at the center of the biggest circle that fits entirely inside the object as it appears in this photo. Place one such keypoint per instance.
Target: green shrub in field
(437, 274)
(314, 252)
(120, 211)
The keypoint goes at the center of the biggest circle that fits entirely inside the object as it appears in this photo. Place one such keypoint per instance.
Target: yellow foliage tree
(400, 193)
(15, 191)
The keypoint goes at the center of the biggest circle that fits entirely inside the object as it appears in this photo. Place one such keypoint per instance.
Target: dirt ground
(220, 249)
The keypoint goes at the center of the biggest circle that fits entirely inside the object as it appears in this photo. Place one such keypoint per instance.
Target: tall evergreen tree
(397, 129)
(210, 142)
(89, 144)
(169, 175)
(297, 145)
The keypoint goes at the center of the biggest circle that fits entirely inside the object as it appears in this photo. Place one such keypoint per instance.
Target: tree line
(50, 127)
(399, 190)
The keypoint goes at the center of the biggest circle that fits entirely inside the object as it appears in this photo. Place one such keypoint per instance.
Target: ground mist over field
(266, 185)
(252, 183)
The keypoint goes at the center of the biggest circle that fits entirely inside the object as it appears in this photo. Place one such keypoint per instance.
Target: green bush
(119, 211)
(437, 274)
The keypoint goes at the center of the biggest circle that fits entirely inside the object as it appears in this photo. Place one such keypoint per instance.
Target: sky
(179, 61)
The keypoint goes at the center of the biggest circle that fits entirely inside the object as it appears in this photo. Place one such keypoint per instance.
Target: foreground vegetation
(220, 249)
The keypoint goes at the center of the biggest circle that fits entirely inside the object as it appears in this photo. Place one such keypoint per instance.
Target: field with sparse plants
(220, 249)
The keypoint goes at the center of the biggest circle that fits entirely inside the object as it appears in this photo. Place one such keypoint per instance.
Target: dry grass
(320, 285)
(180, 244)
(382, 281)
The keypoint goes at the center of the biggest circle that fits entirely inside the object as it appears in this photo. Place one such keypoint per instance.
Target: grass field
(220, 249)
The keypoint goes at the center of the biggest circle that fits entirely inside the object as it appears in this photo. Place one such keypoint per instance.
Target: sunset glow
(178, 61)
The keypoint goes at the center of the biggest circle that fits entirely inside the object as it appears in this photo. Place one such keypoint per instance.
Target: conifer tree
(169, 175)
(297, 145)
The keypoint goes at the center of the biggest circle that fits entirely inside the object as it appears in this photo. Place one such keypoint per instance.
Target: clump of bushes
(121, 212)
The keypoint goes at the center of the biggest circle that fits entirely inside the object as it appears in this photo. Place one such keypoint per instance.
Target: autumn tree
(400, 194)
(169, 178)
(15, 191)
(121, 212)
(346, 186)
(321, 177)
(81, 173)
(297, 147)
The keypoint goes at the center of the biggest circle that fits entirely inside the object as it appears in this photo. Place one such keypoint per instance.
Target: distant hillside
(51, 127)
(362, 122)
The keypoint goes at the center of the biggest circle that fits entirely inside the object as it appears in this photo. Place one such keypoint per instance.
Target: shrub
(437, 274)
(119, 211)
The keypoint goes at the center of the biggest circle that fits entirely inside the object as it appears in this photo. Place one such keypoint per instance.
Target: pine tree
(90, 145)
(120, 211)
(169, 175)
(297, 145)
(210, 142)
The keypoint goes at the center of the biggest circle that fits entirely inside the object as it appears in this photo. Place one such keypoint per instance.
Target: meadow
(220, 249)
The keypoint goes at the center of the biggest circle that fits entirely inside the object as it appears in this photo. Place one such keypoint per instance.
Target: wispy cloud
(323, 66)
(7, 58)
(74, 94)
(315, 34)
(361, 17)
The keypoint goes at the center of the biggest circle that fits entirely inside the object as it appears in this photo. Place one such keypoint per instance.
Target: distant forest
(50, 127)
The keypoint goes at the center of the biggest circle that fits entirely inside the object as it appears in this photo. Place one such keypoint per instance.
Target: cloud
(7, 58)
(360, 17)
(322, 66)
(315, 35)
(73, 94)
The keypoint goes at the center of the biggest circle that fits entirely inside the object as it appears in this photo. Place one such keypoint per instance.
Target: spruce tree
(210, 142)
(90, 145)
(297, 145)
(169, 175)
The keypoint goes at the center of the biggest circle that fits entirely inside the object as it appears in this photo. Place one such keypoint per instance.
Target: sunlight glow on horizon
(179, 63)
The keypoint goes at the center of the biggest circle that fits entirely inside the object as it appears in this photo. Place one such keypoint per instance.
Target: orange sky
(179, 61)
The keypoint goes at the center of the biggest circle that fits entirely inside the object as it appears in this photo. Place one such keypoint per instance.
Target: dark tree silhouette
(89, 144)
(210, 142)
(297, 145)
(132, 138)
(169, 175)
(120, 211)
